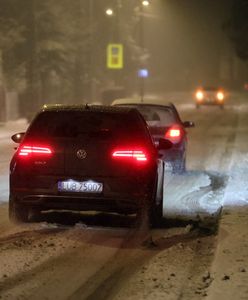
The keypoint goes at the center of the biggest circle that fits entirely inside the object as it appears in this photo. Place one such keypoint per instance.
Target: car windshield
(211, 89)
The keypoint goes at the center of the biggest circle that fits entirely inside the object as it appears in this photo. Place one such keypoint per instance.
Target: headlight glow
(220, 96)
(199, 95)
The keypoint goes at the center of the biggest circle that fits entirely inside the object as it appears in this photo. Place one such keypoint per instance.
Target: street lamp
(145, 2)
(109, 12)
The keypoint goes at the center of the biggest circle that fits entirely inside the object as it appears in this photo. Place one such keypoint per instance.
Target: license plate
(80, 187)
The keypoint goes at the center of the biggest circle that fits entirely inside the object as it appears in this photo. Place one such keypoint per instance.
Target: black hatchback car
(164, 122)
(84, 157)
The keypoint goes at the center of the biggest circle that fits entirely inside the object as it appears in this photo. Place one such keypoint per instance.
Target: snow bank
(4, 189)
(6, 131)
(237, 190)
(191, 196)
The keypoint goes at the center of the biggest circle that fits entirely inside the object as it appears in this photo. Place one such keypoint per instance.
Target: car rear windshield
(70, 124)
(156, 115)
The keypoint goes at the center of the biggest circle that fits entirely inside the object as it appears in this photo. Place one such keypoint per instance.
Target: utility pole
(91, 68)
(143, 72)
(142, 81)
(33, 71)
(118, 21)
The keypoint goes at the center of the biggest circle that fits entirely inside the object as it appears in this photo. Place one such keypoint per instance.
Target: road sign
(115, 56)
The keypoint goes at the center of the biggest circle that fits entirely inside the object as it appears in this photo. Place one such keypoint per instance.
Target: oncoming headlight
(220, 96)
(199, 95)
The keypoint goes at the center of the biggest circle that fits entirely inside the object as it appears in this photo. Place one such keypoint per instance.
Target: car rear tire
(156, 209)
(156, 215)
(17, 212)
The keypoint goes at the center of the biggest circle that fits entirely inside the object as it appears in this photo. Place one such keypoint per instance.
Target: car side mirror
(164, 144)
(18, 137)
(188, 124)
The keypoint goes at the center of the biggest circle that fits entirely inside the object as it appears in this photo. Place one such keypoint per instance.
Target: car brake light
(27, 151)
(137, 155)
(173, 134)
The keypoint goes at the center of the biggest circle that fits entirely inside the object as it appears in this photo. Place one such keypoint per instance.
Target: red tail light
(27, 151)
(136, 155)
(174, 134)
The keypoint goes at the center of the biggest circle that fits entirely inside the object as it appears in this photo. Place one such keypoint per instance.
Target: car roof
(137, 101)
(88, 107)
(147, 102)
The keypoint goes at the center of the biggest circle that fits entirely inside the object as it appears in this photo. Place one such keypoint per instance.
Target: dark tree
(237, 28)
(55, 50)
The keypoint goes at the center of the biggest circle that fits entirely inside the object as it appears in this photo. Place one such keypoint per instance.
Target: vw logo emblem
(81, 154)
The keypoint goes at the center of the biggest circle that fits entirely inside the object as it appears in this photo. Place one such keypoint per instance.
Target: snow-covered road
(106, 257)
(217, 164)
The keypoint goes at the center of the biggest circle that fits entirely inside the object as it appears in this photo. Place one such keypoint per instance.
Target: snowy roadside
(9, 128)
(229, 273)
(227, 276)
(4, 188)
(6, 131)
(221, 272)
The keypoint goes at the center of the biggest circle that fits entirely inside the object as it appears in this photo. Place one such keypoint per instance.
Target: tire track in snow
(194, 195)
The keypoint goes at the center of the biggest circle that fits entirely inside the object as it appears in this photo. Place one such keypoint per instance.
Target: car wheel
(17, 213)
(156, 215)
(179, 166)
(156, 209)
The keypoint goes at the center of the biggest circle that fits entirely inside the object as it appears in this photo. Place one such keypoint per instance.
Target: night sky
(187, 42)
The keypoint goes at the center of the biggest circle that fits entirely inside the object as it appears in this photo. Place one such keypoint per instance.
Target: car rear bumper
(89, 203)
(119, 194)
